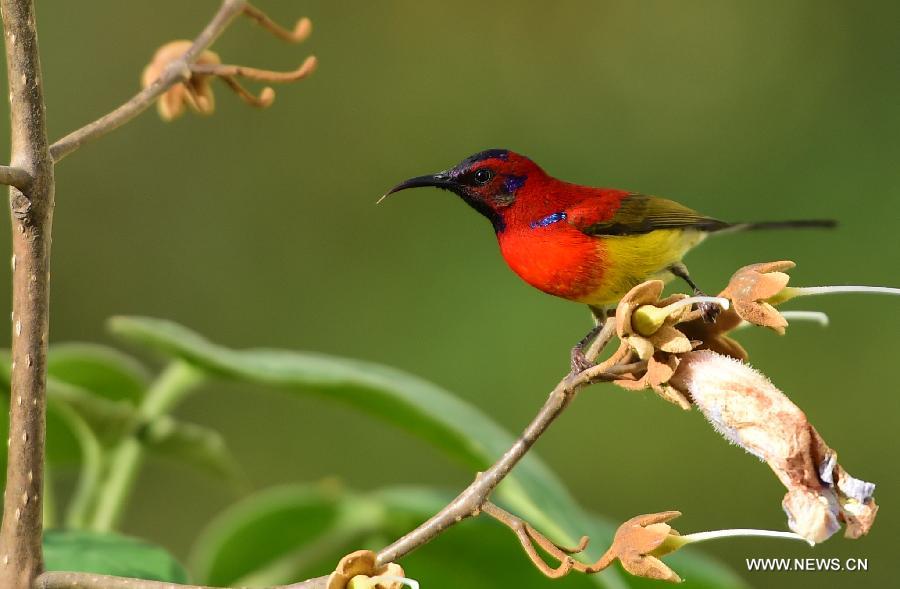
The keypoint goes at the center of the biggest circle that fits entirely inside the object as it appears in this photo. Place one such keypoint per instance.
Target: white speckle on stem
(13, 262)
(18, 328)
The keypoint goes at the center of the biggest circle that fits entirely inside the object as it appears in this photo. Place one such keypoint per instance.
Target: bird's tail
(800, 224)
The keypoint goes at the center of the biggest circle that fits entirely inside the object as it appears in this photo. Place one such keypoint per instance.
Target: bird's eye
(483, 175)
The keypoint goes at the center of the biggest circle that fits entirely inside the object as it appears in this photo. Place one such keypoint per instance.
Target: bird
(584, 244)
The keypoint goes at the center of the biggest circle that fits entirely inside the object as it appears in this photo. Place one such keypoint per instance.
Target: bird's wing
(635, 214)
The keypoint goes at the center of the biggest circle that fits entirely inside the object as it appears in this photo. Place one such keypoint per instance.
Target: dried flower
(358, 570)
(660, 368)
(752, 286)
(645, 324)
(196, 93)
(634, 544)
(755, 289)
(748, 410)
(665, 338)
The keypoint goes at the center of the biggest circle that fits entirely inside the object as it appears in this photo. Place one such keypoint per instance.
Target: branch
(31, 214)
(301, 30)
(59, 580)
(252, 73)
(13, 176)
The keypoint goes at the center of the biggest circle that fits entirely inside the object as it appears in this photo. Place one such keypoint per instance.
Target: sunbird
(584, 244)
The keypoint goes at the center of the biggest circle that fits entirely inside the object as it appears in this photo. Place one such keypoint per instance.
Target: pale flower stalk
(791, 292)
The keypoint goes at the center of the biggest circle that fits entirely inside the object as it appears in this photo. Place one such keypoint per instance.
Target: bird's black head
(487, 180)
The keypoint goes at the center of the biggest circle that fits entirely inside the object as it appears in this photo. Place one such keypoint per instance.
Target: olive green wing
(639, 213)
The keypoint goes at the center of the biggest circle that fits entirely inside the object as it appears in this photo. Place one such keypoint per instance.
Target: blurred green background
(260, 229)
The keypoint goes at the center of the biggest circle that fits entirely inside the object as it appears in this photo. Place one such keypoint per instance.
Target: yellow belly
(632, 259)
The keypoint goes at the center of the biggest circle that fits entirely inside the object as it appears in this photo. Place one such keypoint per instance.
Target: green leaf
(99, 369)
(109, 419)
(195, 445)
(531, 490)
(258, 531)
(110, 554)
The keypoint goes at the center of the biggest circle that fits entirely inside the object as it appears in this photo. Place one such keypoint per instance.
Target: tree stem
(21, 557)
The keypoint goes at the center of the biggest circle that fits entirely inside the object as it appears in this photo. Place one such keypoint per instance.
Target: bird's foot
(709, 311)
(580, 363)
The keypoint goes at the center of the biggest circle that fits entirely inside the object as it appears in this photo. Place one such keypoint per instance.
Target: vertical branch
(31, 214)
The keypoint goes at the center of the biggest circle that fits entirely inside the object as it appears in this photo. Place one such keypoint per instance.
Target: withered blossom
(752, 287)
(645, 324)
(665, 338)
(634, 546)
(748, 410)
(660, 368)
(196, 93)
(358, 570)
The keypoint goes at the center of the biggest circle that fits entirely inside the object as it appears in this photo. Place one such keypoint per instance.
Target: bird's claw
(709, 311)
(580, 363)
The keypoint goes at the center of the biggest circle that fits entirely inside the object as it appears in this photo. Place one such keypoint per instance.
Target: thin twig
(177, 72)
(301, 31)
(528, 537)
(602, 340)
(251, 73)
(264, 100)
(13, 176)
(31, 211)
(60, 580)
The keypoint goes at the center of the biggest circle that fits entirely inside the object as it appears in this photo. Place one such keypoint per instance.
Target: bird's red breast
(542, 243)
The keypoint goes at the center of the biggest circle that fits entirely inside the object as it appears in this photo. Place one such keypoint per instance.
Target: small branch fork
(528, 537)
(230, 73)
(13, 176)
(180, 70)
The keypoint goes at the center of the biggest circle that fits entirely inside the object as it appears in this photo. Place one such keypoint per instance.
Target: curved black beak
(439, 180)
